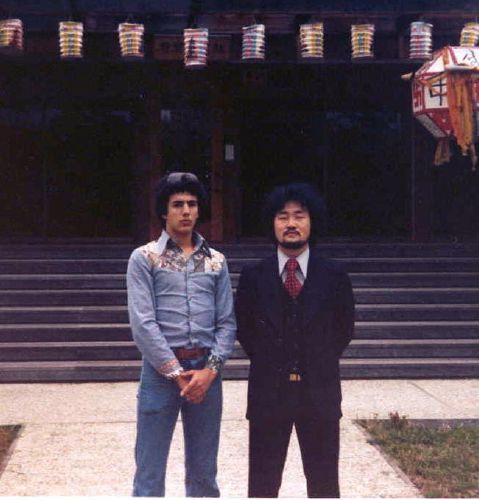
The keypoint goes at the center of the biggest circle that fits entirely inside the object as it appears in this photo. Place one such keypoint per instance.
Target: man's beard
(292, 245)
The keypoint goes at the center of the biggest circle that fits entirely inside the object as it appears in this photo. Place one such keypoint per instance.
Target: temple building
(83, 137)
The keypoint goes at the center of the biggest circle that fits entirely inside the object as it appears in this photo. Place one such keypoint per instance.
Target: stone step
(389, 265)
(119, 297)
(84, 332)
(416, 295)
(62, 281)
(129, 370)
(118, 314)
(118, 281)
(353, 265)
(415, 280)
(127, 350)
(328, 248)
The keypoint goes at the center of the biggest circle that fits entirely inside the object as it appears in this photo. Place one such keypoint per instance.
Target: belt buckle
(294, 377)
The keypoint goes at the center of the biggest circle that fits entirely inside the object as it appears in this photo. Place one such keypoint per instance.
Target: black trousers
(268, 446)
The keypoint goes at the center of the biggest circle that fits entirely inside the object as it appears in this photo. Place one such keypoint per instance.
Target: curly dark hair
(179, 182)
(307, 196)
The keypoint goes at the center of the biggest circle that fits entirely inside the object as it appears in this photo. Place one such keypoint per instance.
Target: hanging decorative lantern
(253, 42)
(196, 47)
(131, 39)
(311, 40)
(420, 42)
(470, 35)
(362, 37)
(445, 99)
(11, 34)
(71, 39)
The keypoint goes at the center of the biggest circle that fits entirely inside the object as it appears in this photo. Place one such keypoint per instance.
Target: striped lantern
(253, 42)
(362, 37)
(420, 43)
(11, 34)
(196, 47)
(131, 39)
(469, 35)
(71, 39)
(311, 40)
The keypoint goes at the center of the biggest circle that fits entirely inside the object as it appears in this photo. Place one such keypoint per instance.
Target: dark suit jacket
(327, 308)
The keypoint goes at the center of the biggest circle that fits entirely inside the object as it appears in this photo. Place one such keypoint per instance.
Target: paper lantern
(469, 35)
(445, 98)
(311, 40)
(71, 39)
(131, 39)
(11, 34)
(196, 47)
(420, 42)
(362, 37)
(253, 42)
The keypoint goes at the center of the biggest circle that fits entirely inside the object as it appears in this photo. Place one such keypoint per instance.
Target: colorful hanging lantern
(362, 37)
(311, 40)
(420, 42)
(196, 47)
(469, 35)
(11, 34)
(71, 39)
(445, 99)
(253, 42)
(131, 39)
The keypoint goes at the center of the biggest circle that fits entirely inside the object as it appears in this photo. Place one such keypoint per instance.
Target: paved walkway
(77, 439)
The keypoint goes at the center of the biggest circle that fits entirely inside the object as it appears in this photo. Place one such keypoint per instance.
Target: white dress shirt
(302, 270)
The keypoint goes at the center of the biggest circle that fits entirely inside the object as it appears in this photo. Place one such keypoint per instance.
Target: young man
(181, 315)
(295, 318)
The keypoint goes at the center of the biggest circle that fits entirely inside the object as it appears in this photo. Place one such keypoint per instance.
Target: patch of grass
(441, 461)
(8, 434)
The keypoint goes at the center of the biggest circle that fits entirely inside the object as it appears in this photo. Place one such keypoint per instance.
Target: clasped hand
(194, 384)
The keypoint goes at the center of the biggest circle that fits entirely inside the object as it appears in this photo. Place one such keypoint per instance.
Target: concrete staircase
(63, 311)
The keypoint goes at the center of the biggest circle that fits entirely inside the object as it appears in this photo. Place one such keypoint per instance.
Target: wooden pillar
(217, 172)
(147, 168)
(156, 169)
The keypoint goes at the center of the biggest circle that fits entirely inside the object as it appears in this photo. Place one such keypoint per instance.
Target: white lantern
(420, 42)
(253, 42)
(196, 47)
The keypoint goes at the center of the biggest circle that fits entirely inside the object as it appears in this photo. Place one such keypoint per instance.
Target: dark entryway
(358, 160)
(66, 174)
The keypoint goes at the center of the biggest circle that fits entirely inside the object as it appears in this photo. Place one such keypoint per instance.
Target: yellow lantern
(71, 39)
(470, 35)
(131, 39)
(11, 34)
(362, 37)
(311, 40)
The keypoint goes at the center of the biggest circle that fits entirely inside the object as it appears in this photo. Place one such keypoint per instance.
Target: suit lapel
(314, 289)
(271, 288)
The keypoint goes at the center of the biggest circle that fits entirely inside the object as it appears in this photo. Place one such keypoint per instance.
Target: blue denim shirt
(177, 302)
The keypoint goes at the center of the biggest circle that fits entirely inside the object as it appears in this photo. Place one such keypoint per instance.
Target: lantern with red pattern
(445, 98)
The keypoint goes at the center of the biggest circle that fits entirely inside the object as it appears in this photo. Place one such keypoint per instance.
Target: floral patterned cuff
(171, 369)
(214, 363)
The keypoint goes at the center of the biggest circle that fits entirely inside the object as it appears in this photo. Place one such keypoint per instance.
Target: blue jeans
(159, 403)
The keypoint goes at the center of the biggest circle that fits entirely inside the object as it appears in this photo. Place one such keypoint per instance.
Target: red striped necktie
(292, 283)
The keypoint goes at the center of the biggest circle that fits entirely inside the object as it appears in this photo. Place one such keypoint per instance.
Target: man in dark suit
(295, 314)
